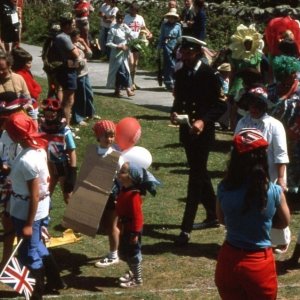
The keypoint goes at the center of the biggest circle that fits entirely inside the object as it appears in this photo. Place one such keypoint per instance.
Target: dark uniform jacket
(198, 94)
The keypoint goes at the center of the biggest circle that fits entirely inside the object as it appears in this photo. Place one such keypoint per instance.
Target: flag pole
(15, 250)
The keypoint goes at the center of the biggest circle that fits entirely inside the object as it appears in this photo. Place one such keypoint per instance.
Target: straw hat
(172, 13)
(225, 67)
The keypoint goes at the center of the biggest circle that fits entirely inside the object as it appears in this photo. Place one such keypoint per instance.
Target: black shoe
(182, 239)
(207, 224)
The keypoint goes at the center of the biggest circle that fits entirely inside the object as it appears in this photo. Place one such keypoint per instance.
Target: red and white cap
(103, 126)
(249, 139)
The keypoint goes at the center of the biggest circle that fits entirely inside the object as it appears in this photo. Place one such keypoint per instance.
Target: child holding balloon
(135, 181)
(104, 131)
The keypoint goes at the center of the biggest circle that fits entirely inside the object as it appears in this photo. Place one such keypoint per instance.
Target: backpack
(50, 57)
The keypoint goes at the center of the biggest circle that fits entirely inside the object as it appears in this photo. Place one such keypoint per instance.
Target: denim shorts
(67, 78)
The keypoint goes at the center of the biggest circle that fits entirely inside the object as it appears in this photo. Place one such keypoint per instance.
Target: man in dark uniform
(198, 95)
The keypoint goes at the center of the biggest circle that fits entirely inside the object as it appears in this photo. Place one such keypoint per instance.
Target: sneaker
(127, 277)
(182, 239)
(82, 123)
(96, 117)
(131, 284)
(207, 224)
(105, 262)
(74, 129)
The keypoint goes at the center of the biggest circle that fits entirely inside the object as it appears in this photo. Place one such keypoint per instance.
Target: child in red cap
(104, 131)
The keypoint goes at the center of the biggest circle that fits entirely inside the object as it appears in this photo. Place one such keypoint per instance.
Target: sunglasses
(51, 104)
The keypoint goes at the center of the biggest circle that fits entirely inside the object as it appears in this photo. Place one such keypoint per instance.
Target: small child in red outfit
(21, 65)
(135, 182)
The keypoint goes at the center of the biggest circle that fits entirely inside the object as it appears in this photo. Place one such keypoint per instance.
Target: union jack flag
(17, 276)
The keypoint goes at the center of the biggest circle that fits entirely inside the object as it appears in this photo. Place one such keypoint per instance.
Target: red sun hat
(103, 126)
(21, 128)
(249, 139)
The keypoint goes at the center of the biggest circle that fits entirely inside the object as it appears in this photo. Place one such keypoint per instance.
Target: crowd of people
(251, 88)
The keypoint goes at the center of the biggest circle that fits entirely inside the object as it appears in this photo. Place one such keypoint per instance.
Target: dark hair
(255, 177)
(248, 99)
(120, 14)
(7, 57)
(74, 33)
(250, 76)
(134, 5)
(66, 19)
(20, 58)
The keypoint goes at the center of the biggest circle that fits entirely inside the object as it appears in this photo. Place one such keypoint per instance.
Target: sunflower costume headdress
(246, 43)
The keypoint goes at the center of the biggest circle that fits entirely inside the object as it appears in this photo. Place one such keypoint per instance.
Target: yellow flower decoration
(246, 42)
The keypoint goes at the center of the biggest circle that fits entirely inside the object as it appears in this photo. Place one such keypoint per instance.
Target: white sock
(113, 254)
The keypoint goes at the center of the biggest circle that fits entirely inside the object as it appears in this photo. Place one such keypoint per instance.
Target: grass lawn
(169, 272)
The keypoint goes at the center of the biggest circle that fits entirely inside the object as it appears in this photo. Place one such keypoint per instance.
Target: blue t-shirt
(249, 230)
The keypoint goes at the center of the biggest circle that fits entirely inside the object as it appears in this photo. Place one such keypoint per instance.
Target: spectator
(249, 205)
(119, 72)
(21, 65)
(135, 22)
(61, 149)
(83, 107)
(199, 21)
(82, 9)
(66, 74)
(107, 14)
(10, 81)
(170, 31)
(10, 24)
(187, 17)
(197, 93)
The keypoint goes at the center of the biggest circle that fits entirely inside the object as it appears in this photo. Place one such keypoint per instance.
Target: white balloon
(138, 155)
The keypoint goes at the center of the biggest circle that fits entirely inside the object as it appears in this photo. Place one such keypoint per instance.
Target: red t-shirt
(129, 210)
(33, 87)
(79, 6)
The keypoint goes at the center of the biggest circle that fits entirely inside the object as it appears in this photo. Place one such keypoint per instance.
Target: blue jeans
(131, 253)
(32, 250)
(83, 103)
(169, 64)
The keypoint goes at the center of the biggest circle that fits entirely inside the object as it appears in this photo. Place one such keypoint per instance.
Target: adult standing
(66, 74)
(83, 107)
(135, 22)
(10, 81)
(170, 31)
(199, 21)
(273, 132)
(10, 24)
(187, 15)
(119, 71)
(107, 14)
(247, 203)
(197, 93)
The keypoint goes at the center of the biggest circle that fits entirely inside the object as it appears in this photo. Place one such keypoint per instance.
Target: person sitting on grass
(61, 148)
(104, 131)
(135, 182)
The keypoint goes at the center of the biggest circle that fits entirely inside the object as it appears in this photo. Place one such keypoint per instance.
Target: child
(104, 131)
(22, 61)
(61, 148)
(135, 182)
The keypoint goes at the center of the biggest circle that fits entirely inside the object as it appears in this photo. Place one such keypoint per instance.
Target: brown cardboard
(93, 186)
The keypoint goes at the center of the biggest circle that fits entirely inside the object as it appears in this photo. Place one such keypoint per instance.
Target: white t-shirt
(135, 24)
(273, 131)
(8, 149)
(108, 11)
(29, 164)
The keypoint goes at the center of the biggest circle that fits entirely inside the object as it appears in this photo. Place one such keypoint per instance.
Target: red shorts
(242, 274)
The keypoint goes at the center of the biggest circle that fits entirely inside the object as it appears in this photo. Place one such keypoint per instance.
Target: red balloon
(128, 132)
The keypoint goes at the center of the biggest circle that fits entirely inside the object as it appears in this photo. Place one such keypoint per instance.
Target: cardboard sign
(93, 186)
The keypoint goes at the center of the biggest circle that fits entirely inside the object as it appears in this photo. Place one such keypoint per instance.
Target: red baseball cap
(249, 139)
(21, 128)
